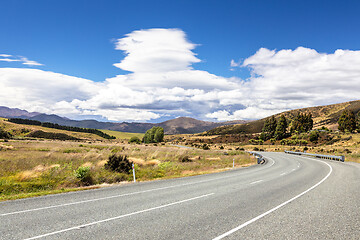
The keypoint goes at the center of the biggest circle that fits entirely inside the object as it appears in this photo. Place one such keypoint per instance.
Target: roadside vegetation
(32, 164)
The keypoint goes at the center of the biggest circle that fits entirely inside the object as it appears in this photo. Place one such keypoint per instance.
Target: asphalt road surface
(289, 197)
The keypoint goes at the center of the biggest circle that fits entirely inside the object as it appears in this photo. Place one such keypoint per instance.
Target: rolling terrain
(181, 125)
(326, 116)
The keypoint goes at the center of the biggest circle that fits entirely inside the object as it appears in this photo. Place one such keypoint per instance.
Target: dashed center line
(118, 217)
(257, 181)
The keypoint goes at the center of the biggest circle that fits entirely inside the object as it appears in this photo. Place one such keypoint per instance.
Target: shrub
(306, 148)
(184, 159)
(118, 164)
(83, 174)
(205, 147)
(314, 136)
(135, 139)
(256, 149)
(4, 134)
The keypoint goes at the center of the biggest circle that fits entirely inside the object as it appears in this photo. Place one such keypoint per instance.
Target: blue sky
(78, 39)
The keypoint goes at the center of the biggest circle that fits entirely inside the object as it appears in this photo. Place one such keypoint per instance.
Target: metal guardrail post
(331, 157)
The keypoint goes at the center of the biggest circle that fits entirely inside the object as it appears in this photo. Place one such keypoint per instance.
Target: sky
(150, 61)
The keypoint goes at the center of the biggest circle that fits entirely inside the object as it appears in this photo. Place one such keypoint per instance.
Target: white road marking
(118, 217)
(283, 174)
(275, 208)
(257, 181)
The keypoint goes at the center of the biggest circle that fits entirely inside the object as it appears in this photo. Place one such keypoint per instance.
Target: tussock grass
(36, 167)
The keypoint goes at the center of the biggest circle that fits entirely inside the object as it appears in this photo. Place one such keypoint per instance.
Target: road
(289, 197)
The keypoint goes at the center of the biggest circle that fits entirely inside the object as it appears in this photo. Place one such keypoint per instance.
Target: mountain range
(181, 125)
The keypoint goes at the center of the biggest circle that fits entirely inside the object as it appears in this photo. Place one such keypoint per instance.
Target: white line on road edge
(256, 181)
(275, 208)
(118, 217)
(116, 196)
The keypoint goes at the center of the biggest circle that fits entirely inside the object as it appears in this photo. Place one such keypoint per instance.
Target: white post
(233, 162)
(133, 167)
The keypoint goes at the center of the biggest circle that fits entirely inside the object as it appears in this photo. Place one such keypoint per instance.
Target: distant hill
(179, 125)
(326, 116)
(190, 125)
(15, 113)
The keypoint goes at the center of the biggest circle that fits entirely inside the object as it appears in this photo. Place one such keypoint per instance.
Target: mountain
(326, 116)
(191, 125)
(15, 112)
(179, 125)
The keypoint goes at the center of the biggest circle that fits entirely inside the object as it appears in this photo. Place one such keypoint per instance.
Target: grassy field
(34, 167)
(122, 135)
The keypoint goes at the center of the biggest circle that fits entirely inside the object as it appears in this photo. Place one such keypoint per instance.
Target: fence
(331, 157)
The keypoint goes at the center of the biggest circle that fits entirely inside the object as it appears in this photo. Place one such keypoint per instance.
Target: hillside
(22, 130)
(179, 125)
(326, 116)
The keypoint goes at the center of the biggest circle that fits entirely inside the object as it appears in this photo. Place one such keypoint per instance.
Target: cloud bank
(163, 82)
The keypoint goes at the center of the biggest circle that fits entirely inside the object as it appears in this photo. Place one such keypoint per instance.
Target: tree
(302, 123)
(269, 128)
(281, 128)
(159, 135)
(347, 121)
(154, 135)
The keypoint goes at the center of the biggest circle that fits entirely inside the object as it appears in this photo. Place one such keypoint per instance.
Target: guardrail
(331, 157)
(259, 157)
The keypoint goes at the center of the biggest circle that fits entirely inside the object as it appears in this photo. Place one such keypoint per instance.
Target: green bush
(83, 174)
(314, 136)
(118, 164)
(135, 139)
(4, 134)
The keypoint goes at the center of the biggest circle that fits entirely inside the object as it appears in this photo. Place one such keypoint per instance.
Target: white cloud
(163, 82)
(9, 60)
(156, 50)
(29, 62)
(5, 55)
(37, 90)
(234, 64)
(23, 60)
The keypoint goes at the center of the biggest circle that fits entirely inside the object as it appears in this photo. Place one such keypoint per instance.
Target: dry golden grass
(46, 165)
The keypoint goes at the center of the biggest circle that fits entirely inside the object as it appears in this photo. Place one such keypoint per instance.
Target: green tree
(269, 128)
(302, 123)
(154, 135)
(159, 135)
(347, 121)
(281, 128)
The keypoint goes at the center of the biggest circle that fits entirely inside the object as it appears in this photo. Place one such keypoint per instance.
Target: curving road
(289, 197)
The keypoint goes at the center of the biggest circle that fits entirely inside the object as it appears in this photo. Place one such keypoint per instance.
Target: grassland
(36, 167)
(122, 135)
